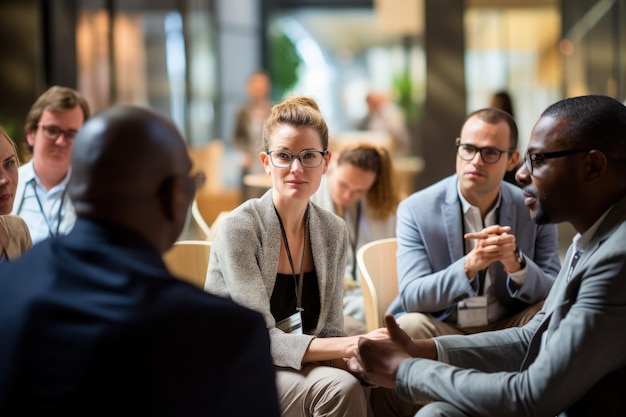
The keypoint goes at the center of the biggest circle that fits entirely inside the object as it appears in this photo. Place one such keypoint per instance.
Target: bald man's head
(130, 167)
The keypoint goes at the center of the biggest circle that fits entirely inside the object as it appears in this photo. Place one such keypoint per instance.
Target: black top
(283, 301)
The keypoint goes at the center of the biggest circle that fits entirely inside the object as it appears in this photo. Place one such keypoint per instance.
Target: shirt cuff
(442, 355)
(519, 277)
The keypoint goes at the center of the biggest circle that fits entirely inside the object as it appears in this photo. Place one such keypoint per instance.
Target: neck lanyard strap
(43, 213)
(298, 280)
(355, 240)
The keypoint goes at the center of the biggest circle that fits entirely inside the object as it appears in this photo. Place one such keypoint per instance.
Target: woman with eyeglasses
(14, 234)
(284, 256)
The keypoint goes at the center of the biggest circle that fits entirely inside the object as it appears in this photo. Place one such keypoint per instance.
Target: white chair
(379, 279)
(189, 260)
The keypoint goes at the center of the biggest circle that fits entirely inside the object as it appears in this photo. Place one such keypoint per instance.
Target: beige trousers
(318, 390)
(423, 326)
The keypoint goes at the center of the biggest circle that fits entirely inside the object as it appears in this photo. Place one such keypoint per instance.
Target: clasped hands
(378, 361)
(493, 243)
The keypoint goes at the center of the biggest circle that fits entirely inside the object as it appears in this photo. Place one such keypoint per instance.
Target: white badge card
(472, 311)
(292, 324)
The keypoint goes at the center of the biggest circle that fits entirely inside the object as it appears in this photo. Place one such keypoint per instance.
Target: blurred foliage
(9, 126)
(406, 96)
(284, 64)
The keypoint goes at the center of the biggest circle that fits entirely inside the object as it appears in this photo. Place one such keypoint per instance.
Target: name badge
(292, 324)
(472, 312)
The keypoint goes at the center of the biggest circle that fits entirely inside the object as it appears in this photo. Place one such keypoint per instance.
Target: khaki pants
(318, 390)
(423, 326)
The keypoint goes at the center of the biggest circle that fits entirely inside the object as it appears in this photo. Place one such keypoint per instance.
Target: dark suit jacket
(93, 324)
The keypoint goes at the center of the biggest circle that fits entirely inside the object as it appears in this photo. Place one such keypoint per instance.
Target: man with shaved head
(93, 324)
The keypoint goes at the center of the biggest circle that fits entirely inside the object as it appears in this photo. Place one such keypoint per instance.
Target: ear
(327, 159)
(513, 161)
(596, 165)
(265, 160)
(166, 196)
(30, 139)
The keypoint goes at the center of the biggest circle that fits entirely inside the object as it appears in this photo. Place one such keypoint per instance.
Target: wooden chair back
(189, 260)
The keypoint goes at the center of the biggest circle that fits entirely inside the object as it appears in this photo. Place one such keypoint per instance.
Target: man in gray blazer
(469, 256)
(570, 359)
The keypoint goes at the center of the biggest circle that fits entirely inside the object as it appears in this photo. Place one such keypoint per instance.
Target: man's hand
(493, 243)
(378, 361)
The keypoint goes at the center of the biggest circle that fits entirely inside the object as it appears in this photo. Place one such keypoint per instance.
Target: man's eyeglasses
(536, 159)
(52, 133)
(489, 154)
(308, 159)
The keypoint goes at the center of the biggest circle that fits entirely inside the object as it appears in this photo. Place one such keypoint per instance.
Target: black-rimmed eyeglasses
(489, 154)
(536, 159)
(52, 133)
(308, 159)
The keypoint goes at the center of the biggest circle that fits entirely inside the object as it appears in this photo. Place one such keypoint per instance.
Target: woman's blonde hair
(298, 111)
(5, 135)
(383, 197)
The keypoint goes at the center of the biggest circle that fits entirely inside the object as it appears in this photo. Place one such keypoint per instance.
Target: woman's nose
(296, 165)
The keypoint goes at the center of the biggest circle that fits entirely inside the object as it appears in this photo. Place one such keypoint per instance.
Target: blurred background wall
(437, 59)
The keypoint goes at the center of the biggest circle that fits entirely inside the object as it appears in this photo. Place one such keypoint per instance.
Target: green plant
(405, 96)
(284, 64)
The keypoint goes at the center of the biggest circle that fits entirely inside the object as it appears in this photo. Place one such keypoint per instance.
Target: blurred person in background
(250, 118)
(360, 187)
(502, 100)
(51, 127)
(383, 115)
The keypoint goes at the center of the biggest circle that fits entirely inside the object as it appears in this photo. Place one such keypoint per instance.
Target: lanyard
(43, 213)
(355, 240)
(298, 280)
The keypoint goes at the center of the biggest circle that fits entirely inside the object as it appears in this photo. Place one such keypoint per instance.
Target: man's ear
(596, 165)
(513, 161)
(166, 196)
(30, 139)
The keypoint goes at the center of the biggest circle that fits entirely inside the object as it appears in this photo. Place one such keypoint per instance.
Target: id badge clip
(292, 324)
(472, 312)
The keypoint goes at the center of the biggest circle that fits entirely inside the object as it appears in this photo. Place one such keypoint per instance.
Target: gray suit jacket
(569, 359)
(431, 252)
(244, 263)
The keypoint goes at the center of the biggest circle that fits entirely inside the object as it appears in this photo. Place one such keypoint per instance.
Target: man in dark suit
(93, 324)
